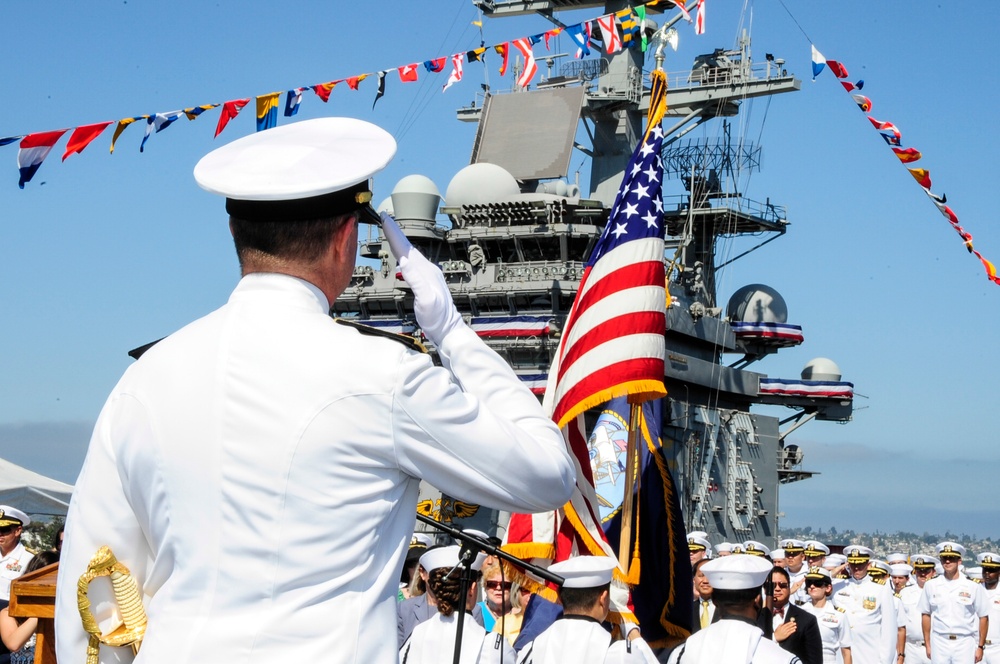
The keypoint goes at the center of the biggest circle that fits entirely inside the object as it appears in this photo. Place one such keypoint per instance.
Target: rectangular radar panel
(530, 134)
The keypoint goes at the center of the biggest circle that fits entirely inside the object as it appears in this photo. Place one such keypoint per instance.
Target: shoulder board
(370, 331)
(841, 609)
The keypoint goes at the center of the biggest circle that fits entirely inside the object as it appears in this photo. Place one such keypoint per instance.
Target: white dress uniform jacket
(433, 642)
(955, 608)
(12, 566)
(872, 614)
(909, 597)
(577, 639)
(833, 629)
(258, 472)
(733, 642)
(991, 655)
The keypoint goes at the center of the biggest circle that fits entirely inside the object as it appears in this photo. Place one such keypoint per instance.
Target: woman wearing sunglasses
(833, 625)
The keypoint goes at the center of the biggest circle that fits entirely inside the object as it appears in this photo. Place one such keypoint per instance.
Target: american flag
(612, 343)
(612, 346)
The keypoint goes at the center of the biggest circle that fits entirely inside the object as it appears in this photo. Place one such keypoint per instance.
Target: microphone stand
(472, 544)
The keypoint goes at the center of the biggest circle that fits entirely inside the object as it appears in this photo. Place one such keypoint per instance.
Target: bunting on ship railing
(893, 138)
(619, 30)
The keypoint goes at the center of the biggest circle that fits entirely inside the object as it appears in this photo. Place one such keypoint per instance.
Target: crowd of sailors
(799, 602)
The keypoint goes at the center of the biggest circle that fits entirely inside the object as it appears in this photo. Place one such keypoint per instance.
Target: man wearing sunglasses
(13, 556)
(990, 563)
(790, 626)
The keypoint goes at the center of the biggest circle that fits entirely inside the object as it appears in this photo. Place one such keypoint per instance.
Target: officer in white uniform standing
(13, 556)
(909, 598)
(578, 635)
(870, 610)
(955, 612)
(990, 562)
(258, 469)
(735, 637)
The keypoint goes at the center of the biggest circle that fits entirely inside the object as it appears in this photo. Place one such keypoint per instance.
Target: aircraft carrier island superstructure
(512, 236)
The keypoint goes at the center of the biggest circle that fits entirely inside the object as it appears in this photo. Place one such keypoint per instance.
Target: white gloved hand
(432, 302)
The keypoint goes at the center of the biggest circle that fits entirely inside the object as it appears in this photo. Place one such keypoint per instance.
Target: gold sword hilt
(127, 596)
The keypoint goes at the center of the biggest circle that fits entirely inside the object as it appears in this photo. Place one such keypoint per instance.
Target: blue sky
(102, 253)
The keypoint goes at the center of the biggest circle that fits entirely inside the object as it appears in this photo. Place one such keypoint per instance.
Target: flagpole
(631, 475)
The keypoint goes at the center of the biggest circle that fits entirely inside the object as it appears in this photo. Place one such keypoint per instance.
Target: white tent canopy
(32, 493)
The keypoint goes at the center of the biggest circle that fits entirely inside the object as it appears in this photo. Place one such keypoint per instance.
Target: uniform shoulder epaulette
(841, 609)
(370, 331)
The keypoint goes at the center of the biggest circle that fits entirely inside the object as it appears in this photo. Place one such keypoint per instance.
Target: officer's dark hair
(301, 240)
(580, 600)
(780, 570)
(734, 599)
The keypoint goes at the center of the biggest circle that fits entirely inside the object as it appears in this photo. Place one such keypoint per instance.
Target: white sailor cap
(777, 554)
(922, 561)
(755, 548)
(305, 170)
(816, 549)
(900, 569)
(698, 543)
(11, 516)
(724, 547)
(441, 556)
(858, 554)
(950, 550)
(895, 558)
(835, 560)
(792, 546)
(585, 571)
(737, 572)
(988, 560)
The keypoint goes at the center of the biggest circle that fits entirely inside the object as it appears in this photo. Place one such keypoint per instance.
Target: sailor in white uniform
(735, 638)
(578, 637)
(909, 597)
(13, 556)
(433, 641)
(955, 612)
(871, 611)
(258, 469)
(833, 625)
(795, 555)
(990, 562)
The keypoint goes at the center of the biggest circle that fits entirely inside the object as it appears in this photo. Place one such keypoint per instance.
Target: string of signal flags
(893, 138)
(615, 31)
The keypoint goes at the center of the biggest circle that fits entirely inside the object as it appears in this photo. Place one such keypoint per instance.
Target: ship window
(540, 248)
(492, 304)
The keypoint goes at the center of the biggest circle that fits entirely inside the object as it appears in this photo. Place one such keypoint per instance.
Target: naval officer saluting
(258, 469)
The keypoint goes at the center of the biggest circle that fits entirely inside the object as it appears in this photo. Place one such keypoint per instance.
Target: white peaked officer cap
(900, 569)
(442, 556)
(698, 544)
(816, 549)
(857, 553)
(421, 539)
(950, 549)
(585, 571)
(988, 559)
(305, 170)
(792, 545)
(755, 548)
(819, 574)
(922, 560)
(975, 573)
(737, 572)
(11, 516)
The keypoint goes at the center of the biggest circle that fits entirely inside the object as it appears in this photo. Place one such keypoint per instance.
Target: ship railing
(704, 76)
(539, 271)
(767, 211)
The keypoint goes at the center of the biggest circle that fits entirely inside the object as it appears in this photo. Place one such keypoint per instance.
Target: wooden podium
(34, 596)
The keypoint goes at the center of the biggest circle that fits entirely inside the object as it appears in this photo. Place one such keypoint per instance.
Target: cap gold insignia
(363, 197)
(947, 548)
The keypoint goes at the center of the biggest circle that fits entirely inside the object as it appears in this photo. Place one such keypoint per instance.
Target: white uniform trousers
(960, 650)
